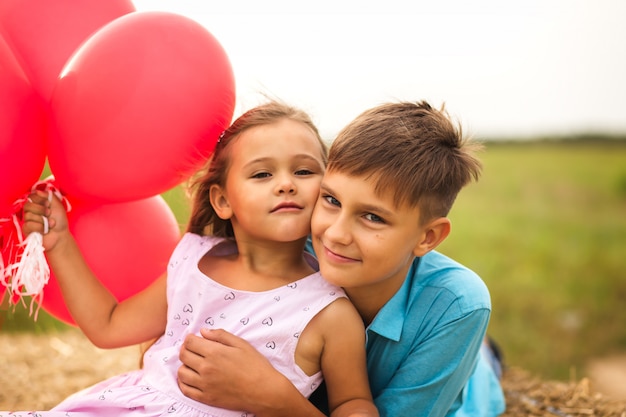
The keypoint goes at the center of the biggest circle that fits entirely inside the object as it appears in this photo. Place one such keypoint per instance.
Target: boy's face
(363, 242)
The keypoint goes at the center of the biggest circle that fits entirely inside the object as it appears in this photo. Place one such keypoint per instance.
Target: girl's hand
(47, 216)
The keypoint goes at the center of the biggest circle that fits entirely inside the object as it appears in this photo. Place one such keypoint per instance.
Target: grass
(546, 229)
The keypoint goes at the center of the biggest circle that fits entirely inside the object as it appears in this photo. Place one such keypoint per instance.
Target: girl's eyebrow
(309, 157)
(256, 161)
(298, 157)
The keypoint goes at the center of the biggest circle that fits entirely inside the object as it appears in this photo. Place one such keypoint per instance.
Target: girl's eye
(374, 218)
(304, 172)
(262, 175)
(331, 200)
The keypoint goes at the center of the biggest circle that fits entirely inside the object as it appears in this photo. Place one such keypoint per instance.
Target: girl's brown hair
(204, 220)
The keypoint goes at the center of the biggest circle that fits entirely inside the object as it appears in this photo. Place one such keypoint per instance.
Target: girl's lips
(286, 206)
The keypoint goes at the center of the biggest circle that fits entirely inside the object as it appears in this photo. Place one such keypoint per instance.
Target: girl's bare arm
(95, 310)
(344, 361)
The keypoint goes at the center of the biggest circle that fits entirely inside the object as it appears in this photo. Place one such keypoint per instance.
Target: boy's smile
(363, 242)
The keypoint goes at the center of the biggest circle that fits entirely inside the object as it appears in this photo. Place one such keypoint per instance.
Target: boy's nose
(338, 231)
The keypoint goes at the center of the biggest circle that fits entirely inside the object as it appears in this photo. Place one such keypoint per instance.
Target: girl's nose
(286, 185)
(288, 189)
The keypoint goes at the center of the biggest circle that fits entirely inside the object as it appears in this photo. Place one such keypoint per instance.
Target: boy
(392, 177)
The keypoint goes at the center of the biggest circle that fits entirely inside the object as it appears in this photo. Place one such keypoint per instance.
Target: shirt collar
(389, 321)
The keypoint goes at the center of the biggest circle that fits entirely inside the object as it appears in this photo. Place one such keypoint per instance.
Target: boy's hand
(223, 370)
(46, 216)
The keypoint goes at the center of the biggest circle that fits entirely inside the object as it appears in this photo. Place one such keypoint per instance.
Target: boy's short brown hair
(411, 150)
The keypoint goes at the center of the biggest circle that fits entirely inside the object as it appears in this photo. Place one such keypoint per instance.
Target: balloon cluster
(124, 105)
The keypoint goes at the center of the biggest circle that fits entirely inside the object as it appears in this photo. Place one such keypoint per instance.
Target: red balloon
(139, 108)
(22, 132)
(127, 246)
(44, 33)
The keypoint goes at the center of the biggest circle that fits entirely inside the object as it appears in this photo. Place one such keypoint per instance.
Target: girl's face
(273, 182)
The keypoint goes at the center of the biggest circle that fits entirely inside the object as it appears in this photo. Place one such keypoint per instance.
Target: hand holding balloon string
(27, 271)
(197, 85)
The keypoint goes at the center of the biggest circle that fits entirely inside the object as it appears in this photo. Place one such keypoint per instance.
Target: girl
(240, 266)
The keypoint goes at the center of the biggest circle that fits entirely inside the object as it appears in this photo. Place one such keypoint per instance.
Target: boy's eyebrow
(326, 188)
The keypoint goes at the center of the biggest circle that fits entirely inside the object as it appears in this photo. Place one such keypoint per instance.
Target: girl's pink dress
(270, 320)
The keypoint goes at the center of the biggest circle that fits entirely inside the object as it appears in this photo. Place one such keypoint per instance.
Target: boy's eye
(374, 218)
(331, 200)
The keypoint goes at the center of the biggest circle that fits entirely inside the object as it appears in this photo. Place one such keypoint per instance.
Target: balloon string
(32, 272)
(26, 271)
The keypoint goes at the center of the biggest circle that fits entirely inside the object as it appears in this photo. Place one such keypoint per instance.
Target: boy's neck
(369, 300)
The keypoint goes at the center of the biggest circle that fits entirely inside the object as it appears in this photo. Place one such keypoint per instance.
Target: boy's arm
(92, 306)
(431, 378)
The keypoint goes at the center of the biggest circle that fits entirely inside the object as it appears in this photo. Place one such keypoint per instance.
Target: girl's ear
(220, 204)
(434, 233)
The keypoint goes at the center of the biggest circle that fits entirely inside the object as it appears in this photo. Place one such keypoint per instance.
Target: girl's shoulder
(194, 240)
(192, 245)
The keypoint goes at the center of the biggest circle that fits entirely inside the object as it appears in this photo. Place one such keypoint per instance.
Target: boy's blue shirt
(425, 343)
(428, 336)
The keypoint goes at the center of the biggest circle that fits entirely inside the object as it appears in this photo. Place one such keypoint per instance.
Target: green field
(546, 229)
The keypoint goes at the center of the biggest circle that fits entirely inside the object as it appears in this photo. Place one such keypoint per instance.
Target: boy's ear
(433, 234)
(219, 202)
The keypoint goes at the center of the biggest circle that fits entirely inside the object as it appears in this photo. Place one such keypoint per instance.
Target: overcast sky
(503, 68)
